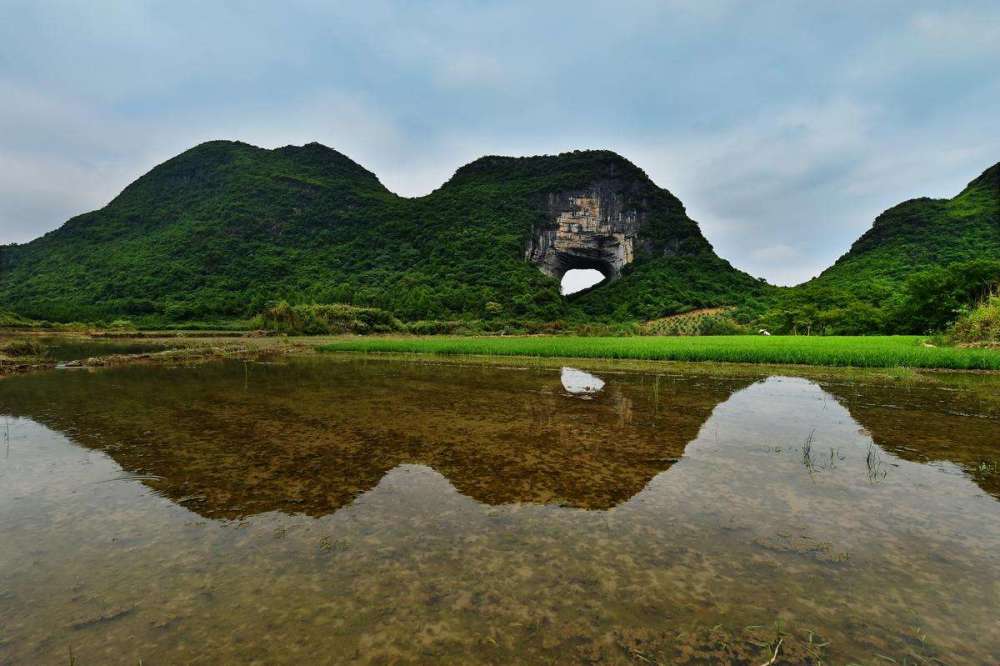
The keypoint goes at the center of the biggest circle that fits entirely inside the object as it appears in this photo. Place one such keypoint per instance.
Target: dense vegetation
(217, 236)
(928, 301)
(12, 320)
(870, 352)
(327, 319)
(920, 265)
(981, 323)
(225, 230)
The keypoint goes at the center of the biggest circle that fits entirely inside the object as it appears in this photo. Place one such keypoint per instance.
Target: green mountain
(923, 233)
(915, 271)
(225, 228)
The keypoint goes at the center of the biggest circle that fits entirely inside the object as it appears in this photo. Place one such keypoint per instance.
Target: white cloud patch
(784, 129)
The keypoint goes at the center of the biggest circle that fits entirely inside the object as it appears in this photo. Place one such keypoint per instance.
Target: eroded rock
(595, 228)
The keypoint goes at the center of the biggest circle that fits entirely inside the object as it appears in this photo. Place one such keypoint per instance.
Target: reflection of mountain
(925, 423)
(230, 440)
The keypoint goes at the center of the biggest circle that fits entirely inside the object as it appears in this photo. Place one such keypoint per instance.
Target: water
(65, 348)
(340, 510)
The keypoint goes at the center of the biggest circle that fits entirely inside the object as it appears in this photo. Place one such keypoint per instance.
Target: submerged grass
(843, 351)
(21, 347)
(18, 354)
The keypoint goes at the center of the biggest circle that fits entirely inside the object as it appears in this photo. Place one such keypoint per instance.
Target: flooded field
(336, 509)
(66, 348)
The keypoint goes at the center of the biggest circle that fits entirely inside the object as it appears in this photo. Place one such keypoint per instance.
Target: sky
(784, 127)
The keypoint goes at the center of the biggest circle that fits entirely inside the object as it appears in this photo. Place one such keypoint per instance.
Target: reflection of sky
(769, 527)
(784, 128)
(578, 381)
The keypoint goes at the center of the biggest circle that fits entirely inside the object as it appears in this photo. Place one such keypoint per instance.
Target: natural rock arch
(591, 229)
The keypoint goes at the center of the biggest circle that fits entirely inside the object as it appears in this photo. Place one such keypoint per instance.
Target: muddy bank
(187, 355)
(76, 351)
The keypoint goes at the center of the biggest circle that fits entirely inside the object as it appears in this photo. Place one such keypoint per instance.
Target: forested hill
(916, 270)
(923, 233)
(226, 228)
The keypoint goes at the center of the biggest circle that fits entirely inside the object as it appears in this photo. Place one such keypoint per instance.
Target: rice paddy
(843, 351)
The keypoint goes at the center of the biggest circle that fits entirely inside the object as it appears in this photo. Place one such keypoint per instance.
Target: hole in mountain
(578, 279)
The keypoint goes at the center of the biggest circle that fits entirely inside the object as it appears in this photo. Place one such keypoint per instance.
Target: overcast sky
(784, 127)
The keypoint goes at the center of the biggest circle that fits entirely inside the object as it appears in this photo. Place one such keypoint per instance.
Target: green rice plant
(847, 351)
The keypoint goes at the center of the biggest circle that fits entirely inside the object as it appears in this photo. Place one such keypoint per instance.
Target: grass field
(861, 352)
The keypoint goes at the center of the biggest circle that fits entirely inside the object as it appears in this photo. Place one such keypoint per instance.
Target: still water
(65, 348)
(372, 511)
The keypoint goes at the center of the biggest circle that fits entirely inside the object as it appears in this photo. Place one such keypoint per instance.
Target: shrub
(122, 325)
(326, 319)
(932, 300)
(980, 324)
(437, 327)
(606, 330)
(719, 325)
(11, 320)
(22, 347)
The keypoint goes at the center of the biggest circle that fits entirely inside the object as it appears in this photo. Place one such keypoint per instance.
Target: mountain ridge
(913, 226)
(225, 227)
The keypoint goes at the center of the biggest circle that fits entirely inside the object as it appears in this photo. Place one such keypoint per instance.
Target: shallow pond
(329, 510)
(68, 348)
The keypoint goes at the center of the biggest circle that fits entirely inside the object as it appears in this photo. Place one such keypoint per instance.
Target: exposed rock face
(589, 229)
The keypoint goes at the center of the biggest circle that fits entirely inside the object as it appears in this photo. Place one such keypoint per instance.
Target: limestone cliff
(594, 228)
(616, 219)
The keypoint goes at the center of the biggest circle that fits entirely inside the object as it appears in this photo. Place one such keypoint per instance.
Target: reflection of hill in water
(229, 440)
(780, 507)
(923, 423)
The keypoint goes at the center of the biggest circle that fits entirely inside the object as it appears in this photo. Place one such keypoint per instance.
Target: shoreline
(192, 348)
(883, 352)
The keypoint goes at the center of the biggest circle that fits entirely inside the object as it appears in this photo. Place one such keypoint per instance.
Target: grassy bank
(19, 354)
(865, 352)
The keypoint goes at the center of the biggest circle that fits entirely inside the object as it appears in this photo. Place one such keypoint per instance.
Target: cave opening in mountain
(578, 279)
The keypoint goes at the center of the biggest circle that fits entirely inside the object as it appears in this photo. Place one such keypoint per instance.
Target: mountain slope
(914, 271)
(224, 228)
(920, 234)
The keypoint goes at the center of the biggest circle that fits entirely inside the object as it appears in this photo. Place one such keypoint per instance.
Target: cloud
(39, 187)
(959, 33)
(775, 253)
(767, 182)
(785, 129)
